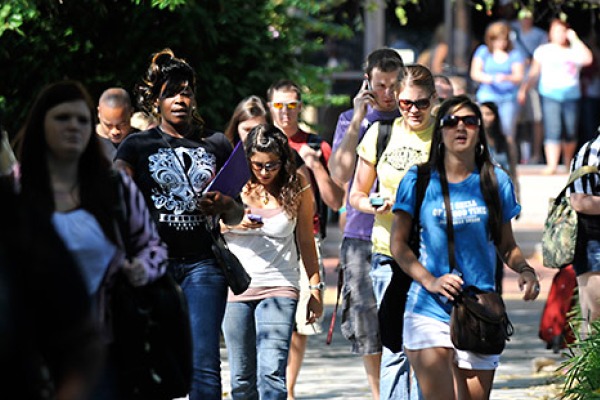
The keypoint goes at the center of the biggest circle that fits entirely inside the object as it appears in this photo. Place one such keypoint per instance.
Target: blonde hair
(497, 30)
(417, 75)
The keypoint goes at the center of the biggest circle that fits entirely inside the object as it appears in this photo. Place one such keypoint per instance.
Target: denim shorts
(590, 259)
(359, 307)
(559, 114)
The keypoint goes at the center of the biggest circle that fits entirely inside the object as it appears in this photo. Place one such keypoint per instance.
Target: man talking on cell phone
(375, 101)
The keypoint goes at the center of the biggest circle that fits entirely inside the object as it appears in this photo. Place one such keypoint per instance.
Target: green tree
(238, 47)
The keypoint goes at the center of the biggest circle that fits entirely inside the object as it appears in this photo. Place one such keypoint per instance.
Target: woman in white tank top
(275, 232)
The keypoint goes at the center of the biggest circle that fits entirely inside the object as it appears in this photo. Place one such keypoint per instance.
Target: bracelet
(318, 286)
(527, 268)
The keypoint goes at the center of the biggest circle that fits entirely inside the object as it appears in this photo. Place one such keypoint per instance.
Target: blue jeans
(258, 335)
(205, 288)
(557, 114)
(509, 112)
(395, 381)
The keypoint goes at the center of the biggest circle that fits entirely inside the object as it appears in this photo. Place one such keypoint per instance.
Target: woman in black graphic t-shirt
(165, 162)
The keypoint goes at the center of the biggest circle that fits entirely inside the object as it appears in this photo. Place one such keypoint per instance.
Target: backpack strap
(383, 137)
(423, 177)
(384, 133)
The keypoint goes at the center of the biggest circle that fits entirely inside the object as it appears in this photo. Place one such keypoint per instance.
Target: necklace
(265, 196)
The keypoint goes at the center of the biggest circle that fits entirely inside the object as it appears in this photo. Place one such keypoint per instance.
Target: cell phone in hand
(257, 219)
(377, 201)
(316, 146)
(369, 86)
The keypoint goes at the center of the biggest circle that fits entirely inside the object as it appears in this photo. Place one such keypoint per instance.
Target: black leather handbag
(235, 273)
(479, 322)
(153, 342)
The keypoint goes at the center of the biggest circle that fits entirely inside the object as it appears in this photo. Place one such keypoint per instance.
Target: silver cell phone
(369, 87)
(377, 201)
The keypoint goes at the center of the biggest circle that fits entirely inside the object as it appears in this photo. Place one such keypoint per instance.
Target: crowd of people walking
(116, 192)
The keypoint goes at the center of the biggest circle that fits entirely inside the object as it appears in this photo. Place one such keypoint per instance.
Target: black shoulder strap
(423, 177)
(449, 223)
(384, 133)
(383, 137)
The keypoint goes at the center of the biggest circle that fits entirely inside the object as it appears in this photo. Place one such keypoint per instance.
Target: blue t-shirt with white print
(475, 252)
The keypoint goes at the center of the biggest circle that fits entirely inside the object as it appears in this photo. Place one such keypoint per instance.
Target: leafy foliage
(554, 7)
(238, 47)
(582, 380)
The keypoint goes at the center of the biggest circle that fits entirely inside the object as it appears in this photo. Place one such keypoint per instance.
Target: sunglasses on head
(451, 121)
(290, 105)
(270, 166)
(421, 104)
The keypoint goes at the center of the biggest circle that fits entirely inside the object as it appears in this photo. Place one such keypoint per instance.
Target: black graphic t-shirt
(162, 179)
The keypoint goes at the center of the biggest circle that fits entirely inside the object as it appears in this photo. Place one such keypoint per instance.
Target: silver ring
(536, 288)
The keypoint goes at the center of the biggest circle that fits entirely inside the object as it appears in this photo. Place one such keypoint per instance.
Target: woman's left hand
(529, 282)
(314, 308)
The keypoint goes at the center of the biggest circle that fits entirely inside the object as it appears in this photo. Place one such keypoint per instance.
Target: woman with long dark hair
(483, 203)
(270, 241)
(67, 179)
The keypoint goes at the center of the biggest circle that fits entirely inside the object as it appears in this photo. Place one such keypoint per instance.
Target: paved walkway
(331, 372)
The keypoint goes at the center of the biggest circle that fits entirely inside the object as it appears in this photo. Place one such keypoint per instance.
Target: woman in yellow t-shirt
(409, 144)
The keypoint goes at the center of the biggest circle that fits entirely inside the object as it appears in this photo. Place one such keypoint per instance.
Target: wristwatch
(318, 286)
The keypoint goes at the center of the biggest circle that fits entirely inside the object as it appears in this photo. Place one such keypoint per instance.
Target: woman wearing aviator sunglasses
(258, 323)
(408, 144)
(483, 203)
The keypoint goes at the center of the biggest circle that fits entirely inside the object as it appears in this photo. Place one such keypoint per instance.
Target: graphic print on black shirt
(174, 193)
(168, 195)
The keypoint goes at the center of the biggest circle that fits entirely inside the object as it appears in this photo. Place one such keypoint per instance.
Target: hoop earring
(480, 149)
(440, 148)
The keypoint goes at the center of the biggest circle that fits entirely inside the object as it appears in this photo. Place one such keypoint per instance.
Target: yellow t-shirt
(405, 149)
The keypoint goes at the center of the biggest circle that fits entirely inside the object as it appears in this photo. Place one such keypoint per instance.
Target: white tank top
(269, 253)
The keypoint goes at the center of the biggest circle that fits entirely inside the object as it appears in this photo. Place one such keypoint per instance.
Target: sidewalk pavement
(332, 372)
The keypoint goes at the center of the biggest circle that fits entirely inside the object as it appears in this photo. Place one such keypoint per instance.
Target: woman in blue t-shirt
(483, 203)
(499, 68)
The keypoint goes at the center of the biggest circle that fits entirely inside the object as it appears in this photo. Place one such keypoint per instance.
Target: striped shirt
(588, 154)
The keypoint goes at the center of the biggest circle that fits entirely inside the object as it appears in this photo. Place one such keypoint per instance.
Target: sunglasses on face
(270, 166)
(290, 105)
(421, 104)
(451, 121)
